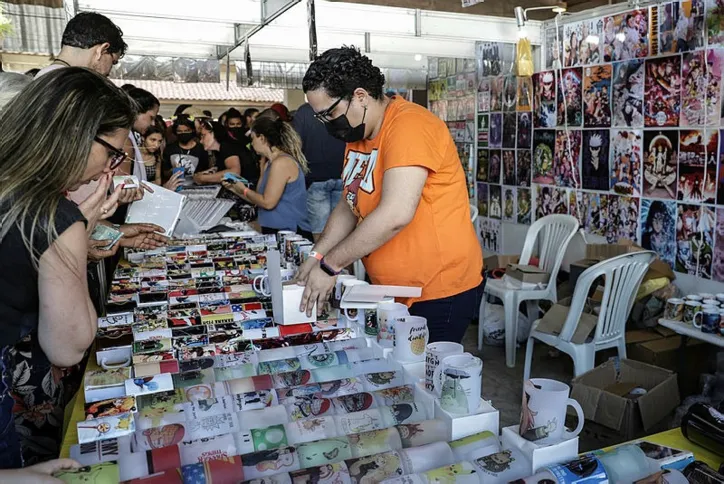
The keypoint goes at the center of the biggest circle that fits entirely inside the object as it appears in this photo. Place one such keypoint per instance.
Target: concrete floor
(503, 386)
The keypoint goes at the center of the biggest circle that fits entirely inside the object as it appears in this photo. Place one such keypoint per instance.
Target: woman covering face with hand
(78, 122)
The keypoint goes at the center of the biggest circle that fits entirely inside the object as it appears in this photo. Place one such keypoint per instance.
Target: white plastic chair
(555, 233)
(622, 276)
(473, 213)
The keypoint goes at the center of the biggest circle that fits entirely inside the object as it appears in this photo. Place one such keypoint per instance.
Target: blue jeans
(322, 197)
(448, 318)
(10, 452)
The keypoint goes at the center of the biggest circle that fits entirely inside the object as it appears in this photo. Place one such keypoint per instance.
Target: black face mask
(342, 130)
(237, 133)
(184, 138)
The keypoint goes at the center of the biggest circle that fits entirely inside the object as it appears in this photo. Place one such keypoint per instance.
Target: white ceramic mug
(260, 284)
(720, 298)
(434, 354)
(698, 319)
(386, 314)
(694, 297)
(543, 414)
(706, 295)
(461, 381)
(411, 337)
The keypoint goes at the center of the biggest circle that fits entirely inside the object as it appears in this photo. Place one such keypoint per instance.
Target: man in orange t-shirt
(404, 209)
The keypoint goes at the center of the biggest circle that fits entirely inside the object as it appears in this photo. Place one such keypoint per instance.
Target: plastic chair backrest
(473, 213)
(622, 276)
(556, 232)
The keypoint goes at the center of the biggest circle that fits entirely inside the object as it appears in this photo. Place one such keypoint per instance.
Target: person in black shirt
(325, 155)
(186, 151)
(78, 122)
(229, 157)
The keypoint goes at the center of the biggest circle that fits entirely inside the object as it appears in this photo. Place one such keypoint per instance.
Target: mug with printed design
(710, 302)
(434, 354)
(411, 337)
(690, 310)
(260, 284)
(387, 312)
(706, 318)
(674, 309)
(543, 413)
(461, 381)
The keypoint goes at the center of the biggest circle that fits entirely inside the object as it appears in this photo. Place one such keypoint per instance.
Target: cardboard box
(603, 396)
(493, 262)
(553, 320)
(527, 273)
(596, 253)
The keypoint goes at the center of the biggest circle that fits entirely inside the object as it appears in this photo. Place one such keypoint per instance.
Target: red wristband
(316, 255)
(246, 190)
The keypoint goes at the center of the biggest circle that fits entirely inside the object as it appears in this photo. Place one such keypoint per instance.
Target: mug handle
(123, 364)
(579, 411)
(258, 285)
(355, 319)
(693, 321)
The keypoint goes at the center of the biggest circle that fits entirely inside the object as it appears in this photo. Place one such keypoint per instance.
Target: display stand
(285, 297)
(540, 456)
(485, 418)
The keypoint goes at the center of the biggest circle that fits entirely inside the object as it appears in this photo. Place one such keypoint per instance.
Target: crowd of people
(400, 204)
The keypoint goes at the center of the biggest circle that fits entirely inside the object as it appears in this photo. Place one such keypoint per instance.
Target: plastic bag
(494, 326)
(524, 57)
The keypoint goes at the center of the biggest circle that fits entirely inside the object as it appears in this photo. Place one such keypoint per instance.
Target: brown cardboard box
(553, 320)
(603, 396)
(497, 261)
(527, 273)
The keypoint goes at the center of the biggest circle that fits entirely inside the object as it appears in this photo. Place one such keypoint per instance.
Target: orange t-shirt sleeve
(414, 142)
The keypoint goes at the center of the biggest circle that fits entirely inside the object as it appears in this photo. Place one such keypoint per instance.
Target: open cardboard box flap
(603, 397)
(599, 252)
(500, 261)
(553, 320)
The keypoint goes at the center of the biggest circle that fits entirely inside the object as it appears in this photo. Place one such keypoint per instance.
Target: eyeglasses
(118, 157)
(323, 116)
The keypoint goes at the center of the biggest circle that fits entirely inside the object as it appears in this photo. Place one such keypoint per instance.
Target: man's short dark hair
(89, 28)
(208, 113)
(250, 112)
(233, 113)
(340, 71)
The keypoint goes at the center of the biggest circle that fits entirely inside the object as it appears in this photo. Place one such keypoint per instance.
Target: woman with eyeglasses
(78, 122)
(281, 196)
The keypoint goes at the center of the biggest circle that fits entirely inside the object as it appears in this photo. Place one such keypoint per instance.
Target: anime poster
(681, 26)
(694, 239)
(571, 42)
(718, 269)
(596, 96)
(525, 94)
(496, 130)
(593, 209)
(543, 149)
(567, 157)
(625, 36)
(482, 199)
(509, 167)
(510, 120)
(701, 75)
(720, 191)
(494, 167)
(623, 219)
(628, 94)
(550, 200)
(525, 130)
(523, 168)
(495, 204)
(569, 98)
(595, 159)
(661, 154)
(626, 152)
(544, 99)
(510, 93)
(510, 204)
(590, 51)
(658, 229)
(491, 235)
(524, 206)
(494, 58)
(662, 97)
(482, 173)
(553, 51)
(715, 24)
(496, 94)
(483, 129)
(484, 96)
(697, 150)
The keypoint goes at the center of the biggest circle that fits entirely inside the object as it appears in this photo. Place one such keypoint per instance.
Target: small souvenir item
(411, 335)
(461, 378)
(434, 354)
(543, 412)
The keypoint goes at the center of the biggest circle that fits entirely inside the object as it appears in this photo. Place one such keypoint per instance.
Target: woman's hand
(236, 187)
(97, 206)
(142, 236)
(97, 253)
(200, 177)
(174, 182)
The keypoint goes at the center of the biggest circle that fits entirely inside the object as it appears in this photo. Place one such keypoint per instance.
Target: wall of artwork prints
(622, 127)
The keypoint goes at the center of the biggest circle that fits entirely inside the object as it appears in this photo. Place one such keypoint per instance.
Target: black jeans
(448, 318)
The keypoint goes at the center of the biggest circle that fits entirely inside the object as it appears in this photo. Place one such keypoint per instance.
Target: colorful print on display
(623, 219)
(553, 41)
(570, 100)
(571, 41)
(509, 130)
(718, 266)
(510, 93)
(628, 94)
(681, 26)
(482, 199)
(701, 86)
(543, 150)
(661, 154)
(482, 174)
(662, 96)
(494, 167)
(695, 239)
(626, 36)
(591, 47)
(496, 94)
(544, 99)
(566, 159)
(550, 200)
(525, 204)
(626, 161)
(596, 96)
(525, 130)
(495, 206)
(510, 204)
(525, 94)
(698, 151)
(523, 167)
(715, 22)
(658, 229)
(491, 235)
(509, 167)
(496, 130)
(595, 159)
